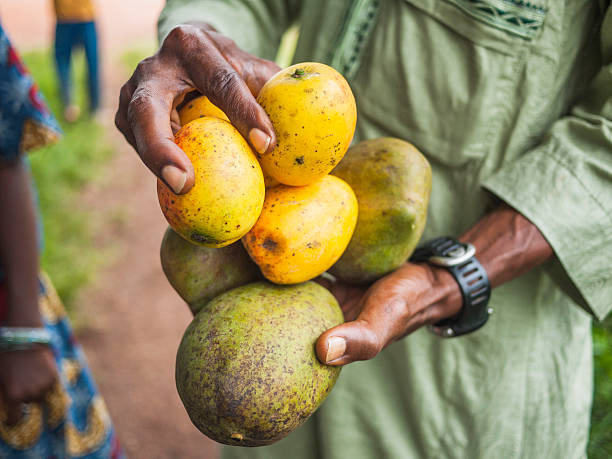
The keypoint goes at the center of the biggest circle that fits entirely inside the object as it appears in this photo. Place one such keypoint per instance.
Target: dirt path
(135, 322)
(133, 319)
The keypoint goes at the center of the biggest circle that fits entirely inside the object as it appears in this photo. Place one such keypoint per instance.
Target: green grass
(60, 172)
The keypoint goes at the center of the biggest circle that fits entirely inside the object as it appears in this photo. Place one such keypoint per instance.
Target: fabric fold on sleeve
(564, 186)
(255, 25)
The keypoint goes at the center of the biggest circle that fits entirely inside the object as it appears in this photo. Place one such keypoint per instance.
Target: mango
(228, 193)
(313, 112)
(202, 106)
(302, 231)
(199, 274)
(199, 107)
(392, 181)
(246, 369)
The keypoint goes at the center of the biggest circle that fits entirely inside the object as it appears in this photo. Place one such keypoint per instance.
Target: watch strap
(458, 258)
(475, 292)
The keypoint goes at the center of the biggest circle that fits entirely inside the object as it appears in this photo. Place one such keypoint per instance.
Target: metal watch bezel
(456, 258)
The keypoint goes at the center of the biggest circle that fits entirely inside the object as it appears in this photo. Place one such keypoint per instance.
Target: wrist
(439, 288)
(23, 316)
(449, 293)
(448, 254)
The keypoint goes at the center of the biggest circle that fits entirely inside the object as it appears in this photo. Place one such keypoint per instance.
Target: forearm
(18, 245)
(507, 244)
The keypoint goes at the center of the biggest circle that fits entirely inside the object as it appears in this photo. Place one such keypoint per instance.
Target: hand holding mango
(311, 215)
(192, 57)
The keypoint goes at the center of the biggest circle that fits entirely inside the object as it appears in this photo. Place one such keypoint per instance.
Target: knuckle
(143, 69)
(182, 39)
(222, 82)
(141, 98)
(224, 43)
(180, 33)
(125, 94)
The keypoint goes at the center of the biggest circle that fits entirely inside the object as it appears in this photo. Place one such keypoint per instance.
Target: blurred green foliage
(600, 444)
(61, 172)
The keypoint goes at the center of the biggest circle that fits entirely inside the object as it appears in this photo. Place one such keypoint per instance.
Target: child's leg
(90, 42)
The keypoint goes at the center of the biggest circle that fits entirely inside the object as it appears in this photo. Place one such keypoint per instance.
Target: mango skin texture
(199, 107)
(392, 181)
(199, 274)
(302, 231)
(246, 368)
(228, 193)
(202, 106)
(313, 112)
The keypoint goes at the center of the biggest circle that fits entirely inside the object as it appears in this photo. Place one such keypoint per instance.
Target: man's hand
(26, 377)
(507, 245)
(192, 57)
(412, 296)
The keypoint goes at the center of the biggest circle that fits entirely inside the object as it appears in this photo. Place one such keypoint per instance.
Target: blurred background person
(76, 27)
(49, 403)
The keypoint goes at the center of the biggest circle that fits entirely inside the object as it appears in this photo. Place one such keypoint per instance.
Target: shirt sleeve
(564, 186)
(25, 121)
(255, 25)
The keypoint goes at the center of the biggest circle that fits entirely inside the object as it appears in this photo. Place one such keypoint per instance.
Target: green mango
(198, 274)
(392, 182)
(246, 368)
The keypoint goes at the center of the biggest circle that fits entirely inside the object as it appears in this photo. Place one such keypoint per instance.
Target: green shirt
(506, 98)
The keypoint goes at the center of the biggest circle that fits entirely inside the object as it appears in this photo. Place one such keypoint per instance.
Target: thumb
(349, 342)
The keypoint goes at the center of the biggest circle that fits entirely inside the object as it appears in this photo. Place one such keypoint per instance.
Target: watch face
(455, 256)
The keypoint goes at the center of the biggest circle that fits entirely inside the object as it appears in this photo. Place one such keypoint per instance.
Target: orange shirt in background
(74, 10)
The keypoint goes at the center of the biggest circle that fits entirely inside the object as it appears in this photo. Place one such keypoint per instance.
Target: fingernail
(174, 177)
(260, 140)
(335, 348)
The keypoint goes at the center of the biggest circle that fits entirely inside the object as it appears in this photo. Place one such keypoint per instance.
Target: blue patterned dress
(73, 421)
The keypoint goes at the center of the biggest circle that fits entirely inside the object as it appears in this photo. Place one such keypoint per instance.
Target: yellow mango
(313, 112)
(302, 231)
(270, 181)
(202, 106)
(228, 193)
(199, 107)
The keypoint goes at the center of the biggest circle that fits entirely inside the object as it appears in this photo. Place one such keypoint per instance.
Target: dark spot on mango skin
(299, 160)
(270, 244)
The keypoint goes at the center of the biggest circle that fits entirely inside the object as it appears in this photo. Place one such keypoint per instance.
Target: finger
(254, 71)
(383, 317)
(326, 280)
(349, 342)
(14, 412)
(149, 121)
(121, 122)
(223, 85)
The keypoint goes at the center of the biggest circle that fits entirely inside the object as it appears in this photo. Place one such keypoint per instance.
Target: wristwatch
(458, 258)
